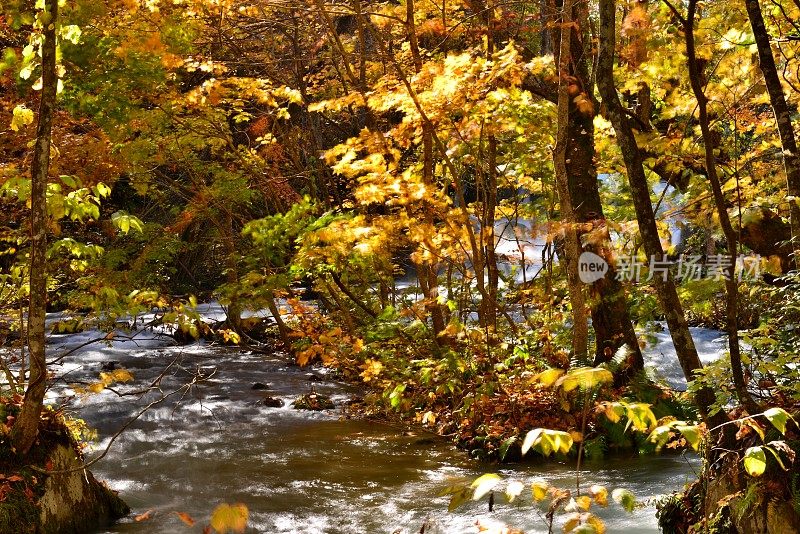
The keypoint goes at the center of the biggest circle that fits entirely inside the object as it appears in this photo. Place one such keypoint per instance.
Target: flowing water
(299, 471)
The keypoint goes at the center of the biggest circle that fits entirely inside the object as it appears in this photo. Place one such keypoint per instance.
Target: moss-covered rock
(313, 401)
(75, 501)
(67, 500)
(728, 501)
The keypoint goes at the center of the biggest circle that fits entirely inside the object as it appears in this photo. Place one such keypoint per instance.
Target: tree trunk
(791, 157)
(283, 330)
(572, 246)
(731, 285)
(428, 273)
(667, 293)
(234, 309)
(26, 428)
(490, 200)
(606, 297)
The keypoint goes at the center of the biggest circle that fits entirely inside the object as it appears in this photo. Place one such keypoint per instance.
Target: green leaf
(755, 461)
(397, 395)
(69, 181)
(505, 446)
(775, 453)
(778, 417)
(102, 190)
(484, 484)
(125, 222)
(624, 498)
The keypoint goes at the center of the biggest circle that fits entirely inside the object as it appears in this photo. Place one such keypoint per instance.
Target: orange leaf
(186, 518)
(143, 517)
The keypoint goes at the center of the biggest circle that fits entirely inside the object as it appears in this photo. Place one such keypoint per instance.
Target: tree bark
(667, 293)
(572, 246)
(490, 200)
(731, 285)
(428, 273)
(606, 297)
(26, 428)
(234, 308)
(791, 157)
(283, 330)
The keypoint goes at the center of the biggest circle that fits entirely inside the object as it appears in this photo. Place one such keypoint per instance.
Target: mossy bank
(47, 492)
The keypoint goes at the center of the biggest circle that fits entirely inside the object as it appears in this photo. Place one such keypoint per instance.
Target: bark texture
(731, 238)
(606, 298)
(667, 292)
(572, 246)
(25, 429)
(791, 157)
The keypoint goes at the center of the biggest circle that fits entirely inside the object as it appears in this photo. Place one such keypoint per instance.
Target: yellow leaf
(229, 518)
(572, 521)
(597, 523)
(583, 502)
(755, 461)
(22, 117)
(539, 490)
(429, 417)
(585, 378)
(600, 494)
(549, 376)
(122, 375)
(372, 368)
(484, 484)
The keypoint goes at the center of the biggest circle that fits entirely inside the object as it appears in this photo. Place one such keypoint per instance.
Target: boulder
(313, 401)
(273, 402)
(70, 502)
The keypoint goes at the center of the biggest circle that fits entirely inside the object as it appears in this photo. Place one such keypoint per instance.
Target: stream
(309, 472)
